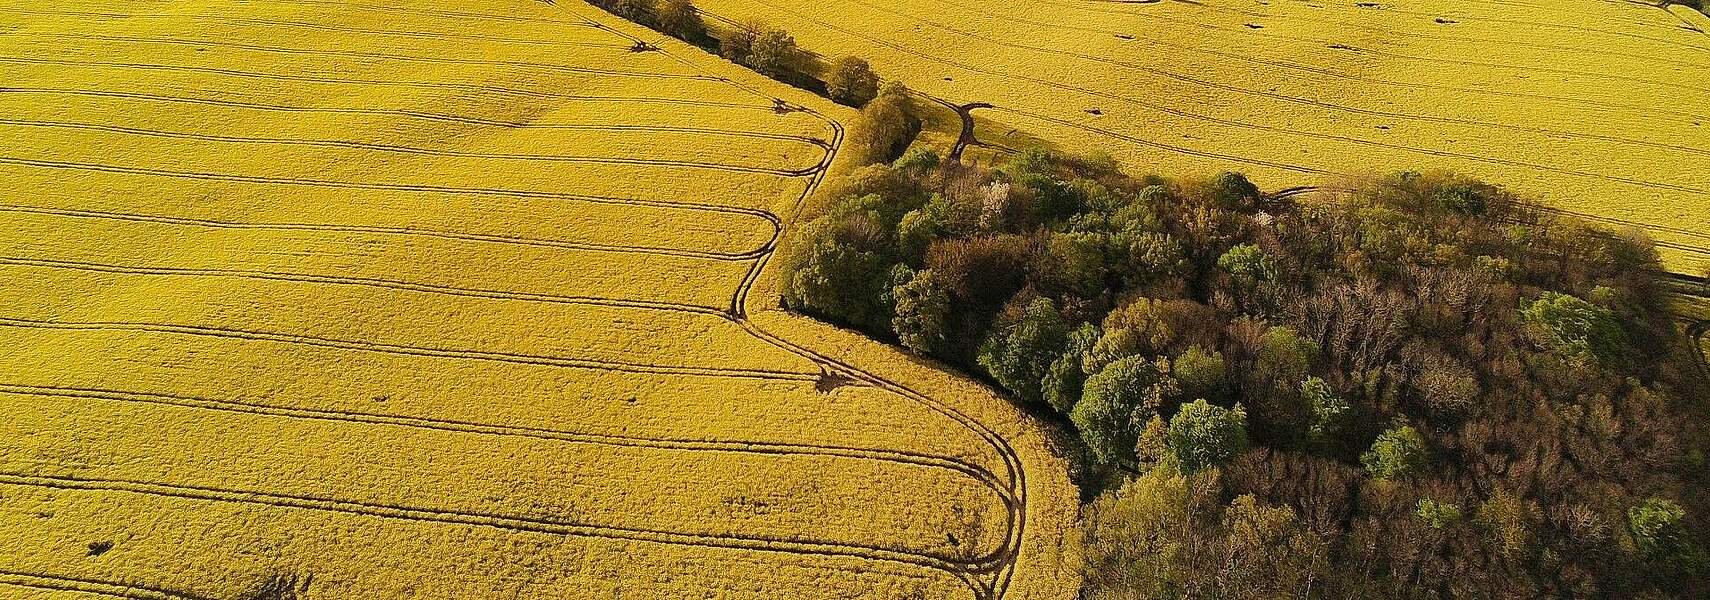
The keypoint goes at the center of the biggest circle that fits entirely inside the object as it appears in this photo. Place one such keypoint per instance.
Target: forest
(1413, 385)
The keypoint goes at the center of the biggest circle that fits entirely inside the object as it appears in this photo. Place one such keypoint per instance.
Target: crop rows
(1291, 90)
(985, 575)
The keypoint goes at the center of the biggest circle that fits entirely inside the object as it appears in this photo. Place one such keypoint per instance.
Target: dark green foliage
(773, 53)
(1232, 191)
(1205, 435)
(1066, 377)
(1116, 403)
(1464, 198)
(1018, 355)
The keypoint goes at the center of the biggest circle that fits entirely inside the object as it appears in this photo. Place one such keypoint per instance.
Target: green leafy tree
(1065, 379)
(922, 304)
(852, 81)
(1018, 356)
(774, 54)
(1073, 262)
(1437, 514)
(1145, 257)
(1115, 403)
(1397, 453)
(1206, 435)
(1232, 191)
(1247, 261)
(1136, 538)
(1575, 328)
(885, 125)
(918, 160)
(1660, 533)
(840, 280)
(1463, 197)
(736, 44)
(1330, 414)
(679, 18)
(1201, 374)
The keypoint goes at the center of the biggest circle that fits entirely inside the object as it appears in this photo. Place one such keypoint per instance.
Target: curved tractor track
(987, 576)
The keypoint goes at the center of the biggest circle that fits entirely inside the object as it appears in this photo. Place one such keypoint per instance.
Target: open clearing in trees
(1600, 106)
(447, 300)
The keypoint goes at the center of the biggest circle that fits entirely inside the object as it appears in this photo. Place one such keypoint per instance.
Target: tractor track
(381, 230)
(427, 116)
(1220, 55)
(1241, 124)
(954, 566)
(1015, 475)
(367, 282)
(321, 52)
(1086, 6)
(516, 358)
(412, 150)
(1191, 80)
(430, 35)
(240, 406)
(109, 589)
(987, 577)
(400, 187)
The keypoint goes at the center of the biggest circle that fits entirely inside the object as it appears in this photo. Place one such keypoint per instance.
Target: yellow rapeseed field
(1602, 107)
(454, 299)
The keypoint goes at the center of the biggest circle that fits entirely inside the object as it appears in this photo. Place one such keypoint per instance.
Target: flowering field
(1598, 106)
(451, 300)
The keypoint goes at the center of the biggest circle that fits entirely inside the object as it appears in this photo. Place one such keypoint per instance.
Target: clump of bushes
(754, 44)
(1270, 393)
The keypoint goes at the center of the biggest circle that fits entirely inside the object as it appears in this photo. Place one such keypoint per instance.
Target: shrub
(1464, 198)
(917, 160)
(639, 11)
(852, 81)
(1206, 435)
(1397, 453)
(1232, 191)
(1114, 404)
(1247, 261)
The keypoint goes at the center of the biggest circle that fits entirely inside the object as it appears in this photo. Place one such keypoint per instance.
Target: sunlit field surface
(451, 300)
(1601, 107)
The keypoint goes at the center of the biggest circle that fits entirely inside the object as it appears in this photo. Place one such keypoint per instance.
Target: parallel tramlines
(1009, 488)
